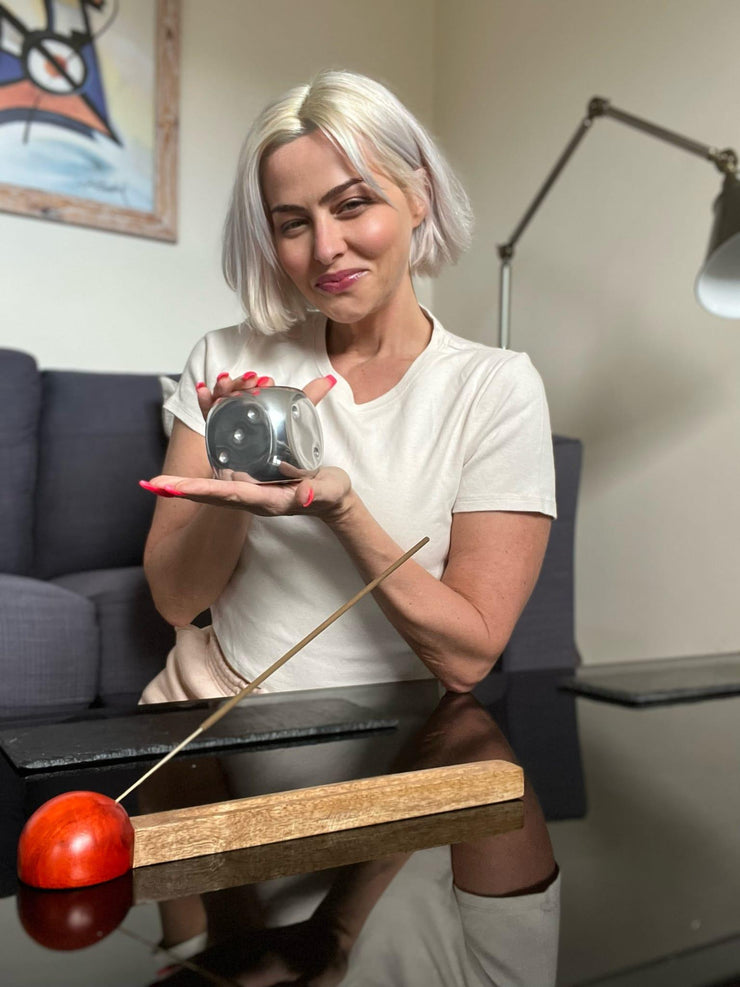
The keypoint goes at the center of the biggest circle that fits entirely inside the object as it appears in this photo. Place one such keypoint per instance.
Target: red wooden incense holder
(82, 838)
(75, 840)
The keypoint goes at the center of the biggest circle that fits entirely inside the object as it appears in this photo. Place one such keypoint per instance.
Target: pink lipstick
(339, 280)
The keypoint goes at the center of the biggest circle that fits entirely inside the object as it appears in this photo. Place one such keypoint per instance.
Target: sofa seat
(49, 646)
(134, 640)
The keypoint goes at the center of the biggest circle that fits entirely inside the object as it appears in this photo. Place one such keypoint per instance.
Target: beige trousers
(196, 669)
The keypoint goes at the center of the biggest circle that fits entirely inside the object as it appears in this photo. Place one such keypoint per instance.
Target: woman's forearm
(447, 632)
(189, 565)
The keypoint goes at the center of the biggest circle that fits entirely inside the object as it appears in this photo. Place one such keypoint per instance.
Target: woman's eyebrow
(327, 197)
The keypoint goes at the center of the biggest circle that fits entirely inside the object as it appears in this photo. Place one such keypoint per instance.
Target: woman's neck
(397, 331)
(372, 355)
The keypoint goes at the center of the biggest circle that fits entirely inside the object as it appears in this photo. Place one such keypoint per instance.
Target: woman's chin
(343, 310)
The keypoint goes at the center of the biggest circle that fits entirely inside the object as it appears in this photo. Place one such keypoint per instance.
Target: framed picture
(89, 113)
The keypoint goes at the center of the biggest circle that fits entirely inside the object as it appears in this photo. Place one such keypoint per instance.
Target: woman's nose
(328, 242)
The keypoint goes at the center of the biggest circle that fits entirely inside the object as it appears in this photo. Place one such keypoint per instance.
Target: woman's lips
(341, 281)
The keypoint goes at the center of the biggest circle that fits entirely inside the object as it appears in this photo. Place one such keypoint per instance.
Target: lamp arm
(726, 161)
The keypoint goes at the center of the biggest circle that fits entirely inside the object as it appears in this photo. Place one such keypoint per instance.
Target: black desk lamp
(718, 283)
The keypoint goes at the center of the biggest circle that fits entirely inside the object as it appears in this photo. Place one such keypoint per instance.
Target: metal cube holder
(271, 437)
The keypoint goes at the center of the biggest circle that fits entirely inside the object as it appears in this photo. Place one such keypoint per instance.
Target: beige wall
(603, 288)
(80, 298)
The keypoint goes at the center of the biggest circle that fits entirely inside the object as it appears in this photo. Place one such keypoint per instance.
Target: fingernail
(261, 381)
(248, 376)
(159, 491)
(172, 491)
(201, 383)
(331, 378)
(222, 375)
(255, 390)
(309, 499)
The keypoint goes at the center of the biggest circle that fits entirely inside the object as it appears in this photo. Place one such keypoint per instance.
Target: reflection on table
(463, 898)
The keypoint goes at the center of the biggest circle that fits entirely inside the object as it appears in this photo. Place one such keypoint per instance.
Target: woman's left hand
(321, 495)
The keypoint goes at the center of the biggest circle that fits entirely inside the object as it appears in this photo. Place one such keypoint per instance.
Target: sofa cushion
(134, 639)
(48, 645)
(99, 435)
(20, 398)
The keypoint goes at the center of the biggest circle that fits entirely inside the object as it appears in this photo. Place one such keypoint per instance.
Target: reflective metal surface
(271, 437)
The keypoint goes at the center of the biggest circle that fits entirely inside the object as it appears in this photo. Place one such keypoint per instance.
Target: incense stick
(230, 703)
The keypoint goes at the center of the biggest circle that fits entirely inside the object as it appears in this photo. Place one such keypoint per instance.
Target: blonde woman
(340, 198)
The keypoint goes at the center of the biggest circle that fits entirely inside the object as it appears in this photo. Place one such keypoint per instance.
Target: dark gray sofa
(77, 625)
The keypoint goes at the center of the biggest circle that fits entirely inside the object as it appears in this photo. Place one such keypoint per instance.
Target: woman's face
(344, 247)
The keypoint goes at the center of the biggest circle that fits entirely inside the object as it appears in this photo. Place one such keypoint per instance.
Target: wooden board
(193, 832)
(214, 872)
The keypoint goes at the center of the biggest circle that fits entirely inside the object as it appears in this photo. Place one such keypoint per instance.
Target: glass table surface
(640, 806)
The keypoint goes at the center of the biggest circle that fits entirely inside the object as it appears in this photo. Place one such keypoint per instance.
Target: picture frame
(56, 76)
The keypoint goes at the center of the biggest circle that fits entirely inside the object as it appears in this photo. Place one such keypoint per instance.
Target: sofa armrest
(20, 399)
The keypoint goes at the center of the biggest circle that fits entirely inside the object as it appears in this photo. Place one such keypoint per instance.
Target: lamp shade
(718, 284)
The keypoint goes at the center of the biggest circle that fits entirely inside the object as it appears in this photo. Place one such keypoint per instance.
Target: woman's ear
(418, 197)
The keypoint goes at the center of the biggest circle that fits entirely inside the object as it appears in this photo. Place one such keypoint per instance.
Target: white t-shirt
(465, 429)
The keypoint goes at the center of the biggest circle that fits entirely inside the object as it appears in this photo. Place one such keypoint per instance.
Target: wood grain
(214, 872)
(193, 832)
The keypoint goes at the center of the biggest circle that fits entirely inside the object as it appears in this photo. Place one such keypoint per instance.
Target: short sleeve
(508, 454)
(215, 352)
(183, 403)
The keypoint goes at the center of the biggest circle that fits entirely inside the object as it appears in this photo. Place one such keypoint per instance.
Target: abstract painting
(88, 112)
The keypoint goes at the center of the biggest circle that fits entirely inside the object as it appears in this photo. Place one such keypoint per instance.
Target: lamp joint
(505, 251)
(598, 107)
(726, 160)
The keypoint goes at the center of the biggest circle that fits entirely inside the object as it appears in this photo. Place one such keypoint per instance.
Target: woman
(340, 197)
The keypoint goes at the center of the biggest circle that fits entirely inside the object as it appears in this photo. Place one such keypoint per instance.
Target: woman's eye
(292, 226)
(350, 205)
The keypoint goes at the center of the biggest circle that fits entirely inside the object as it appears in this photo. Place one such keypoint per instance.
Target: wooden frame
(161, 222)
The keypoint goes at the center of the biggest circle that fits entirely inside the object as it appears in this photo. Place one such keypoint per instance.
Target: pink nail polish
(261, 381)
(248, 376)
(331, 378)
(255, 390)
(172, 491)
(222, 375)
(309, 499)
(159, 491)
(201, 383)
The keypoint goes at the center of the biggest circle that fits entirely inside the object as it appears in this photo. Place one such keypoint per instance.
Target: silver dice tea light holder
(271, 437)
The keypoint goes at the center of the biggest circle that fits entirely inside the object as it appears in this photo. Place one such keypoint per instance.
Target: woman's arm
(192, 549)
(460, 625)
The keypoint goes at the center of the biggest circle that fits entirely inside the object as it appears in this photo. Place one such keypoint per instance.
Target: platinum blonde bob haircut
(372, 128)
